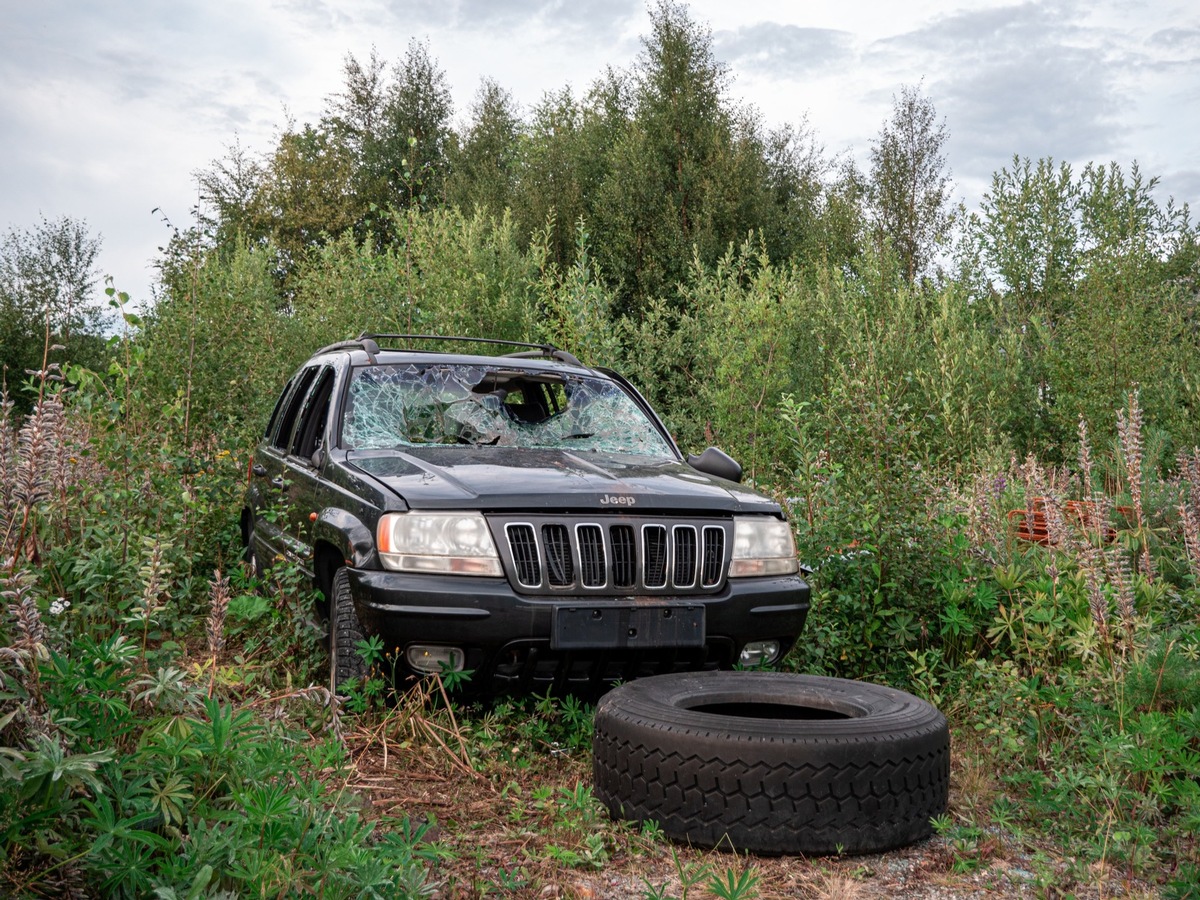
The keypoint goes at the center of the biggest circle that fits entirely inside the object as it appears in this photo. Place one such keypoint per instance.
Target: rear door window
(310, 433)
(291, 406)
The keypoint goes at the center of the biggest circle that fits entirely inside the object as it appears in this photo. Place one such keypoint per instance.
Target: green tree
(444, 273)
(231, 194)
(47, 279)
(415, 135)
(795, 168)
(575, 306)
(396, 130)
(307, 194)
(1127, 324)
(687, 170)
(567, 155)
(909, 188)
(356, 116)
(485, 162)
(549, 196)
(1028, 234)
(292, 200)
(216, 343)
(1086, 272)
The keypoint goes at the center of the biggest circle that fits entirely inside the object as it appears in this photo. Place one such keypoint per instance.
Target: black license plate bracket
(627, 626)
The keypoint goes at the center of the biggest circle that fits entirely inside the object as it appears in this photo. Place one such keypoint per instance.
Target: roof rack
(369, 342)
(362, 342)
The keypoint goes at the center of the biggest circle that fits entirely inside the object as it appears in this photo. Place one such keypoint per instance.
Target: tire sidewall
(666, 705)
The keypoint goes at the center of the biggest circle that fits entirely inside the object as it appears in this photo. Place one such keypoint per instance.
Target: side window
(311, 431)
(291, 409)
(273, 422)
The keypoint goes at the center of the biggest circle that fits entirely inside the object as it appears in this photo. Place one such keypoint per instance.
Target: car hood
(496, 479)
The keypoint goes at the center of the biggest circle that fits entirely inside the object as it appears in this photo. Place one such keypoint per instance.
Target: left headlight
(762, 546)
(453, 542)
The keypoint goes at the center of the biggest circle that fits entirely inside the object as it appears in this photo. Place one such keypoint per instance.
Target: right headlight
(456, 543)
(762, 546)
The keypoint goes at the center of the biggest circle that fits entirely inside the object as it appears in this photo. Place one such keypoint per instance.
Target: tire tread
(345, 631)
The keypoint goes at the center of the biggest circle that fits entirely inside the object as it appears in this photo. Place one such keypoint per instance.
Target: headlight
(457, 543)
(762, 546)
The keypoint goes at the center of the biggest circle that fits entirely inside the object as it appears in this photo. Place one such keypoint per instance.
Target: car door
(306, 489)
(271, 478)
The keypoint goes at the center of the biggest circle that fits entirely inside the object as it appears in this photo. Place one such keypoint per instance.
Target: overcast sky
(108, 108)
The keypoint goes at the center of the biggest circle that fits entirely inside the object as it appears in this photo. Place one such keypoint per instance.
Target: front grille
(618, 556)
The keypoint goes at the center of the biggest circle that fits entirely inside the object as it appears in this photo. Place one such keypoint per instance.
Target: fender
(354, 540)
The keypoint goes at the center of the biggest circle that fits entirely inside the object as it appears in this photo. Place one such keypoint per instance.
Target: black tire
(772, 763)
(345, 631)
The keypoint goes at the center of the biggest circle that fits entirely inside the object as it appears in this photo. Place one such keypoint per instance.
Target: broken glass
(393, 406)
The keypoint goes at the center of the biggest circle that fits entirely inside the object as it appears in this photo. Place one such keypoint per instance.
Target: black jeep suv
(520, 515)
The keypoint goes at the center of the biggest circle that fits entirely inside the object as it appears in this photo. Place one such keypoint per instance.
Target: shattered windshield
(412, 406)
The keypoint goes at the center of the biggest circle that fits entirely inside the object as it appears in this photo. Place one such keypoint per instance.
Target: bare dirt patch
(520, 822)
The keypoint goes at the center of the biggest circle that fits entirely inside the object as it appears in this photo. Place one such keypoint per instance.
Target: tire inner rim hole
(783, 711)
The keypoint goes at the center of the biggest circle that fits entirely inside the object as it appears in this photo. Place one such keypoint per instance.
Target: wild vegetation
(985, 425)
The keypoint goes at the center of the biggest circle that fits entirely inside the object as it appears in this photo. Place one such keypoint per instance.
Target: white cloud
(107, 109)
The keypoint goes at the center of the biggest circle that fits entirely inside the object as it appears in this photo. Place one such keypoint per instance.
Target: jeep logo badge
(615, 500)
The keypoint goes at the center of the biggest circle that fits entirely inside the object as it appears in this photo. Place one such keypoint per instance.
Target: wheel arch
(247, 525)
(342, 537)
(327, 559)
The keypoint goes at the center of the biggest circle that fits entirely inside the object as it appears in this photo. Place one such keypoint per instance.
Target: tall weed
(124, 772)
(1087, 660)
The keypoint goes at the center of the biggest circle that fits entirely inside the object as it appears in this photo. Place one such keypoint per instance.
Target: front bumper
(509, 639)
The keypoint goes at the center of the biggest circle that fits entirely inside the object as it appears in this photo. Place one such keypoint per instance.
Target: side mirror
(716, 462)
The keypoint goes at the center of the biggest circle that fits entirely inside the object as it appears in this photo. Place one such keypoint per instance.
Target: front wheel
(345, 631)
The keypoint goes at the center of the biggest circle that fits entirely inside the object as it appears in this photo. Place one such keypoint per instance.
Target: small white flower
(59, 606)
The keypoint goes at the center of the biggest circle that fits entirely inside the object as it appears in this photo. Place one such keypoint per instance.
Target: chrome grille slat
(592, 568)
(560, 569)
(685, 555)
(522, 540)
(624, 556)
(556, 555)
(714, 556)
(654, 540)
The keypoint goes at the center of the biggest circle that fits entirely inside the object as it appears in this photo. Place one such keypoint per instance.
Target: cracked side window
(394, 406)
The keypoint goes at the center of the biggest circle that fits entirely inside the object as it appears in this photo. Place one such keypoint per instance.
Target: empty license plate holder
(625, 626)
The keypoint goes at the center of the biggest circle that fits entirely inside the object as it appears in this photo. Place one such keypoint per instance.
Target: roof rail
(363, 342)
(534, 351)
